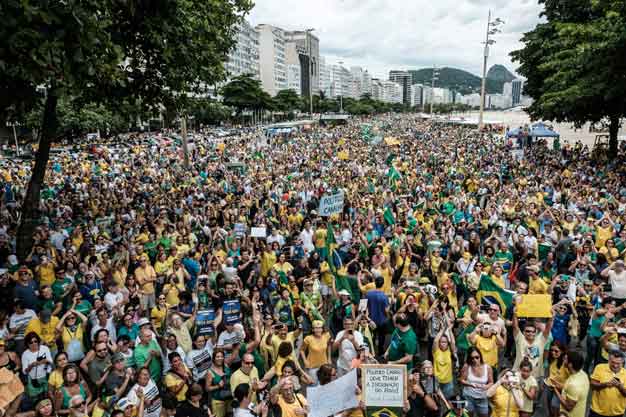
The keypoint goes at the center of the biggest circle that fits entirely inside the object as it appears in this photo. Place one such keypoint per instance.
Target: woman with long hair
(557, 375)
(55, 380)
(218, 384)
(72, 334)
(72, 385)
(476, 377)
(150, 391)
(36, 365)
(315, 350)
(528, 385)
(505, 395)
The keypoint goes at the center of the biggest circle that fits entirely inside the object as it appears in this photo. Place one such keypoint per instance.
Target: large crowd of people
(216, 289)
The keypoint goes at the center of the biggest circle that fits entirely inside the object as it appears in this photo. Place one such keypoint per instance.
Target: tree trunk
(613, 131)
(30, 205)
(183, 131)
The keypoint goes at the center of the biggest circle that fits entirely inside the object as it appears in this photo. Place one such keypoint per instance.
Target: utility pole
(183, 129)
(341, 84)
(432, 87)
(492, 29)
(310, 52)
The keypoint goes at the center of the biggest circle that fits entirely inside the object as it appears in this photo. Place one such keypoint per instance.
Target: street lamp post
(341, 84)
(310, 51)
(17, 146)
(432, 87)
(492, 29)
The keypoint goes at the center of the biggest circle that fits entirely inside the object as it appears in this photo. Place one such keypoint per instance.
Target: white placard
(384, 385)
(258, 232)
(331, 204)
(334, 397)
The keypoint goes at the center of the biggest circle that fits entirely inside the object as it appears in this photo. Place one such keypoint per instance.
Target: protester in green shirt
(403, 345)
(148, 354)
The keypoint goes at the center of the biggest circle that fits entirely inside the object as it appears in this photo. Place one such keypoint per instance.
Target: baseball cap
(117, 357)
(45, 315)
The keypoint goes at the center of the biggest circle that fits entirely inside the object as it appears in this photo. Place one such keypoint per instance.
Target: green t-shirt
(141, 354)
(402, 344)
(59, 287)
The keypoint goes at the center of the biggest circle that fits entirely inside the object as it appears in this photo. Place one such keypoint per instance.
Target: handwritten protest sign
(534, 305)
(331, 204)
(334, 397)
(384, 385)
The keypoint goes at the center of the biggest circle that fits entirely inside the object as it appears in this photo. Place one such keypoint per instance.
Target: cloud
(381, 35)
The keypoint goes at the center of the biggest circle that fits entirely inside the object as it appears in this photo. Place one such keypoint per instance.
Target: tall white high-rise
(416, 94)
(293, 78)
(303, 48)
(272, 58)
(244, 58)
(340, 80)
(324, 77)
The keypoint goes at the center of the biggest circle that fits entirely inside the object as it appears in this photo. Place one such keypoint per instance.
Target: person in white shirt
(114, 298)
(307, 237)
(616, 274)
(36, 363)
(150, 392)
(18, 322)
(171, 345)
(275, 237)
(199, 359)
(347, 341)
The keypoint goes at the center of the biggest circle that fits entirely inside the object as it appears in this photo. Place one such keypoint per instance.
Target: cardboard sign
(331, 204)
(204, 322)
(231, 311)
(534, 305)
(240, 229)
(258, 232)
(334, 397)
(384, 385)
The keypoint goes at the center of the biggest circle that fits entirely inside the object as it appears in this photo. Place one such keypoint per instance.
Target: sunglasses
(248, 363)
(101, 350)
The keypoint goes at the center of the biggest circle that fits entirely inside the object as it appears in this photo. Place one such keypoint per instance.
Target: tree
(99, 51)
(287, 100)
(244, 93)
(575, 63)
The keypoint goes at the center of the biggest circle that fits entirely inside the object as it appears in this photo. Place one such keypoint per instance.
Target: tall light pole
(432, 87)
(492, 29)
(17, 146)
(310, 51)
(341, 83)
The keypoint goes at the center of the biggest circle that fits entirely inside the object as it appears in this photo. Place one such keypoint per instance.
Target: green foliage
(287, 100)
(447, 108)
(208, 112)
(455, 79)
(575, 63)
(245, 93)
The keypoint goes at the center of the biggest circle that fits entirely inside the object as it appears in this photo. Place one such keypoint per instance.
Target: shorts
(312, 373)
(147, 301)
(447, 390)
(478, 406)
(324, 290)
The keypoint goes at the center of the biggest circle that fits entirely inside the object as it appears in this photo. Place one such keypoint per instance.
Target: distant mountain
(500, 73)
(455, 79)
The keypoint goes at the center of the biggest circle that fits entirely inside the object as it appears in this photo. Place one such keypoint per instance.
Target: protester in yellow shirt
(487, 340)
(608, 387)
(536, 284)
(315, 349)
(45, 327)
(505, 395)
(443, 346)
(573, 396)
(179, 378)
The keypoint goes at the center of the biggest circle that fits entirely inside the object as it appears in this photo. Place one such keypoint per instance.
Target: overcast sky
(380, 35)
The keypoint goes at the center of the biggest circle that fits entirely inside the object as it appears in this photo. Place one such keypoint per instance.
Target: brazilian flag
(491, 293)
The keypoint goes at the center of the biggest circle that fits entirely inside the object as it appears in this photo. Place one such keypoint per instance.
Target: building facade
(340, 80)
(244, 58)
(272, 58)
(324, 77)
(303, 48)
(516, 91)
(404, 79)
(293, 78)
(416, 93)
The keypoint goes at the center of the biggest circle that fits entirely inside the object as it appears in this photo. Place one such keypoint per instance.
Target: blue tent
(538, 130)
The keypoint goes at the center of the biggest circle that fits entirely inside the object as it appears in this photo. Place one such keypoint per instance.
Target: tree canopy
(575, 63)
(106, 51)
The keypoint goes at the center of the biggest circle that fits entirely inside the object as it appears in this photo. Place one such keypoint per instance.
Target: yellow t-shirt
(443, 365)
(171, 297)
(276, 341)
(559, 374)
(240, 378)
(576, 388)
(316, 350)
(289, 409)
(46, 332)
(158, 317)
(171, 380)
(268, 259)
(602, 235)
(143, 273)
(608, 401)
(502, 401)
(537, 286)
(489, 349)
(610, 254)
(67, 336)
(56, 379)
(46, 274)
(285, 267)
